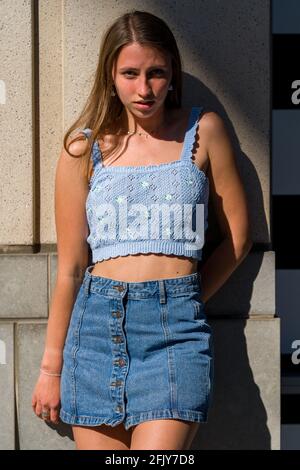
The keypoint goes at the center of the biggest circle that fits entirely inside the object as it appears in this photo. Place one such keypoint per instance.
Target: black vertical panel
(286, 71)
(286, 232)
(285, 204)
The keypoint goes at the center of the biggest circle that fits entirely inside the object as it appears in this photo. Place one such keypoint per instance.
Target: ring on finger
(45, 413)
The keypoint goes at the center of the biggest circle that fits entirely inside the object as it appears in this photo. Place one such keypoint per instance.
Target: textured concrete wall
(49, 51)
(17, 124)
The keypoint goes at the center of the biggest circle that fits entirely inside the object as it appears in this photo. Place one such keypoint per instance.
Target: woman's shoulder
(210, 116)
(78, 143)
(211, 122)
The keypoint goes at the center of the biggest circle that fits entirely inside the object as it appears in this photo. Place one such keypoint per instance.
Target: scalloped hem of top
(132, 420)
(145, 247)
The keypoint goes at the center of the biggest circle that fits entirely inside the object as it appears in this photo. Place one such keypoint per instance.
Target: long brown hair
(101, 110)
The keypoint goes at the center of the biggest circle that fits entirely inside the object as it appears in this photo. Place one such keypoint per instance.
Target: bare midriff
(145, 267)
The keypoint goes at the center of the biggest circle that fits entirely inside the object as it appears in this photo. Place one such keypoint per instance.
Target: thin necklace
(152, 132)
(142, 133)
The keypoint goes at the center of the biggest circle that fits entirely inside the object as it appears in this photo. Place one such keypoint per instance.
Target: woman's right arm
(72, 230)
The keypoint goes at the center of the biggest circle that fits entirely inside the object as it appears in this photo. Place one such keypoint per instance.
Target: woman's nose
(144, 89)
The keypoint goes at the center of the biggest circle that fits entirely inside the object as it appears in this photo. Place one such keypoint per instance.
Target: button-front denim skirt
(137, 351)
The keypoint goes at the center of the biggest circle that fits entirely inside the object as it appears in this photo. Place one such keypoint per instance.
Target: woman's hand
(46, 398)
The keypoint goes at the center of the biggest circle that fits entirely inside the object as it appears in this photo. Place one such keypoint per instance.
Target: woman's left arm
(230, 204)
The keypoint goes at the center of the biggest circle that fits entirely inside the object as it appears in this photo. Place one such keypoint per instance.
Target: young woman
(128, 358)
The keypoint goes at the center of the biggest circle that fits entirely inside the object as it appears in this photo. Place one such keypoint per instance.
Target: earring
(170, 87)
(113, 93)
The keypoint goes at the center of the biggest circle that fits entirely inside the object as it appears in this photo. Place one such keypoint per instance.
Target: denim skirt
(137, 351)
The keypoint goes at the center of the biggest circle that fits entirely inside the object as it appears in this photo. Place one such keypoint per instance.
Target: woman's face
(142, 73)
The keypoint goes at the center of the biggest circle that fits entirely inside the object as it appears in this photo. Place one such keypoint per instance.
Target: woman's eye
(159, 71)
(131, 73)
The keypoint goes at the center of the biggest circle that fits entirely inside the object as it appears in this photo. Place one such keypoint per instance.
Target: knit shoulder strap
(96, 152)
(190, 134)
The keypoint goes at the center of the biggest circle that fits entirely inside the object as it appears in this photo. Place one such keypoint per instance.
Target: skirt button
(119, 288)
(119, 362)
(118, 339)
(117, 314)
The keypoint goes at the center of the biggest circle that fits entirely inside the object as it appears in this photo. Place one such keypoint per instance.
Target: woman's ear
(113, 72)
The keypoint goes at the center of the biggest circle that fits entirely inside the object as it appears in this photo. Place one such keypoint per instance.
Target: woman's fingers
(38, 408)
(54, 415)
(46, 413)
(33, 401)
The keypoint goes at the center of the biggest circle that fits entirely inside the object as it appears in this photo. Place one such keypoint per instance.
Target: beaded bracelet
(52, 374)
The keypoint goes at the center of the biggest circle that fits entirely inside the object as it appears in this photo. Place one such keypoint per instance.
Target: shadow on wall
(63, 429)
(237, 419)
(202, 96)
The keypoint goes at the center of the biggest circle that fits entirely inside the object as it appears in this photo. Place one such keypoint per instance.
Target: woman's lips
(144, 105)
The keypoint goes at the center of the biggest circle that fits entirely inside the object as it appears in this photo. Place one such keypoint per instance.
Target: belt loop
(87, 283)
(162, 292)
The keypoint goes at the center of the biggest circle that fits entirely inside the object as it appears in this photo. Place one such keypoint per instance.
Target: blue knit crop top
(148, 209)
